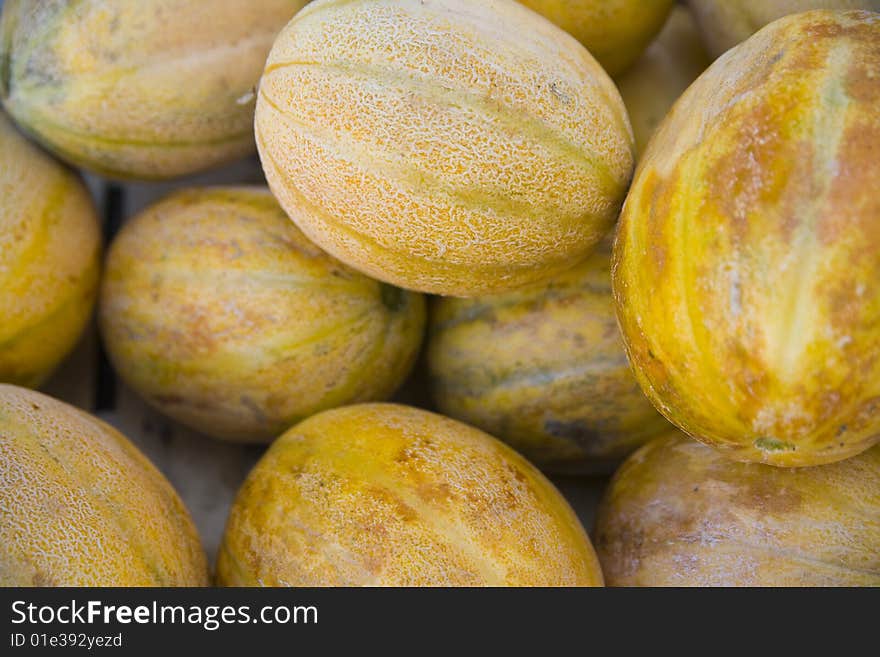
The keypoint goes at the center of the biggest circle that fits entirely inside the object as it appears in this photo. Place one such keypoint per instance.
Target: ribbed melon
(449, 146)
(220, 312)
(147, 89)
(543, 368)
(388, 495)
(81, 506)
(614, 31)
(50, 253)
(747, 258)
(678, 513)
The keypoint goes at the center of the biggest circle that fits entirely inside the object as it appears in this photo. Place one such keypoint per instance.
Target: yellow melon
(678, 513)
(218, 310)
(50, 251)
(725, 23)
(146, 89)
(669, 65)
(382, 494)
(543, 368)
(614, 31)
(748, 253)
(81, 506)
(451, 146)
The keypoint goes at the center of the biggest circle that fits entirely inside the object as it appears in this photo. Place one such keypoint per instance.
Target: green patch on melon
(773, 445)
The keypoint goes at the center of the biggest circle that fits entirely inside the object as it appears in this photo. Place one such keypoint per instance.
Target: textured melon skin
(544, 369)
(50, 255)
(220, 313)
(725, 23)
(388, 495)
(447, 146)
(614, 31)
(746, 260)
(150, 89)
(669, 65)
(679, 513)
(81, 506)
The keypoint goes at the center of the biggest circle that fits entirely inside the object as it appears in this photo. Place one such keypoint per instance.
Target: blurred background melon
(138, 88)
(50, 255)
(614, 31)
(652, 85)
(726, 23)
(678, 513)
(219, 311)
(544, 369)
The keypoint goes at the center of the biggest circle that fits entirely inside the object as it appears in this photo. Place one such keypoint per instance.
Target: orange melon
(451, 146)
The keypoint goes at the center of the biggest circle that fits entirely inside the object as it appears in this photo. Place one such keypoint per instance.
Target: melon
(726, 23)
(149, 89)
(614, 31)
(747, 257)
(221, 314)
(50, 255)
(449, 146)
(81, 506)
(389, 495)
(543, 368)
(670, 64)
(678, 513)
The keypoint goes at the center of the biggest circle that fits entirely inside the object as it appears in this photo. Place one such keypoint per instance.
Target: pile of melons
(613, 251)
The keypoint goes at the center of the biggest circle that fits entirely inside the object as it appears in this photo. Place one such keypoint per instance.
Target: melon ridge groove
(146, 143)
(449, 267)
(537, 376)
(537, 128)
(475, 201)
(481, 308)
(807, 265)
